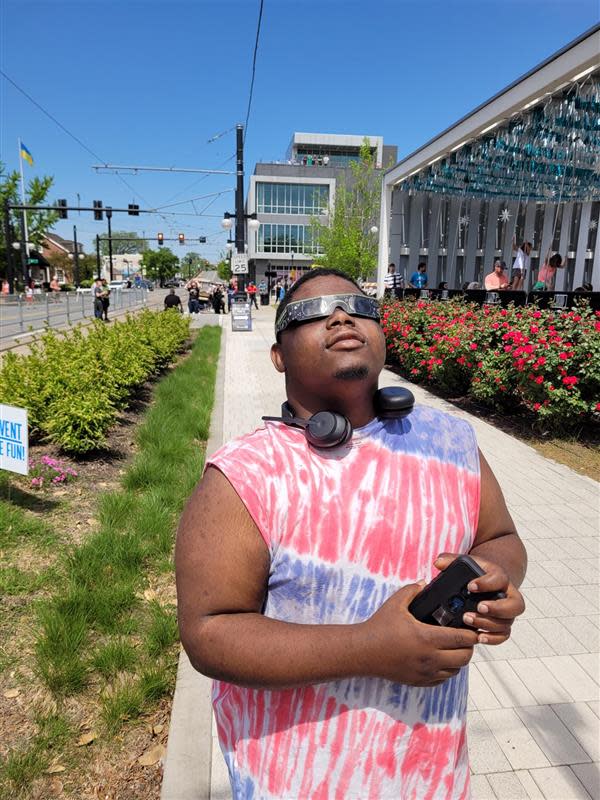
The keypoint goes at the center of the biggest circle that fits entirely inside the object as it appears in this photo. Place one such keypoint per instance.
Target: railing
(21, 315)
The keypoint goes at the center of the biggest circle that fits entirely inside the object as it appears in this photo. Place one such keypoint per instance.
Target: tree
(160, 264)
(192, 263)
(224, 268)
(347, 243)
(135, 244)
(38, 222)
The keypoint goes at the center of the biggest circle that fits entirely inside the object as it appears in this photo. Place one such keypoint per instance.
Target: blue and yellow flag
(26, 155)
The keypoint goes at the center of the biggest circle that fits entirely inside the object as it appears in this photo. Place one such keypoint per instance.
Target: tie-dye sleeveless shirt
(347, 528)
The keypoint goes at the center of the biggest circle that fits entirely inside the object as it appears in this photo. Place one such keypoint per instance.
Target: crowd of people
(498, 279)
(220, 297)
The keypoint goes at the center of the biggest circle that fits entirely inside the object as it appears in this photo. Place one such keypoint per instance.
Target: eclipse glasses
(357, 305)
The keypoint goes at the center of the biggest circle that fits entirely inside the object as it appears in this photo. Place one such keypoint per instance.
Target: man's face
(422, 269)
(322, 355)
(498, 269)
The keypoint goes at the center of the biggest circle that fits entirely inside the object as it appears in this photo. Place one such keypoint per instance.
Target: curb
(188, 761)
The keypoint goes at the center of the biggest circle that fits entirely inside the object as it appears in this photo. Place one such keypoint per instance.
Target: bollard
(47, 311)
(20, 305)
(68, 309)
(82, 306)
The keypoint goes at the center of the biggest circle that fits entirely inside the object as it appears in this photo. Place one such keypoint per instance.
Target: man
(193, 298)
(251, 291)
(98, 294)
(497, 279)
(393, 282)
(105, 299)
(173, 300)
(418, 280)
(295, 568)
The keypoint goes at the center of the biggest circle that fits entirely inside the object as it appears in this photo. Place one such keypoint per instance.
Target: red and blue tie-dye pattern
(345, 529)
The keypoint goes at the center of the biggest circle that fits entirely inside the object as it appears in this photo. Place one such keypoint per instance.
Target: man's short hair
(421, 264)
(319, 272)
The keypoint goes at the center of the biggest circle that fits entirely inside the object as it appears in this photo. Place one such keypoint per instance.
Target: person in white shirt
(521, 266)
(393, 281)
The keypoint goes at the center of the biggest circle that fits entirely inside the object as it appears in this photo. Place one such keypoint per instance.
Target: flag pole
(26, 243)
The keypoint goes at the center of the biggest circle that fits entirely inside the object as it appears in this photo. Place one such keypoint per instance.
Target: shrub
(546, 362)
(73, 384)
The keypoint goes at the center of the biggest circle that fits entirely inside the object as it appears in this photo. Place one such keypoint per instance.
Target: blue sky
(149, 82)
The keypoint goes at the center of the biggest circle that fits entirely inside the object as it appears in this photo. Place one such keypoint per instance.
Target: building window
(292, 198)
(286, 239)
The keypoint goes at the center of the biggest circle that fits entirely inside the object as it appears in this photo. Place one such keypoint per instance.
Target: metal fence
(21, 315)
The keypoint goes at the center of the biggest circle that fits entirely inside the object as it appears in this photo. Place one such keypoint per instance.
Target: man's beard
(352, 373)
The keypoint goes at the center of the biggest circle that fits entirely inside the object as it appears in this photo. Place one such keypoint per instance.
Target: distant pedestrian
(173, 300)
(521, 266)
(193, 298)
(547, 274)
(98, 292)
(418, 280)
(230, 294)
(393, 282)
(5, 287)
(252, 290)
(218, 303)
(55, 287)
(105, 298)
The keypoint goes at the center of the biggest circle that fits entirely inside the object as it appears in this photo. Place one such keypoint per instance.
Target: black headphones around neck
(329, 429)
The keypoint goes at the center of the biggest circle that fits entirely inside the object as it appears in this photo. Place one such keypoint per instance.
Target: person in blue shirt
(418, 280)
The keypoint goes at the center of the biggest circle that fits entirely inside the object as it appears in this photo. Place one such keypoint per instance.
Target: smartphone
(446, 598)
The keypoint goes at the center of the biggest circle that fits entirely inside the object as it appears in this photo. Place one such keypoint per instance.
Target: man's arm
(223, 565)
(500, 552)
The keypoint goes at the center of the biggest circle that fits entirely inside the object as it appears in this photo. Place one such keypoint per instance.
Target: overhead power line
(260, 13)
(68, 132)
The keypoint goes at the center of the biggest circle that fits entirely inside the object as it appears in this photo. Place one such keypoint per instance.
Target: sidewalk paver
(533, 719)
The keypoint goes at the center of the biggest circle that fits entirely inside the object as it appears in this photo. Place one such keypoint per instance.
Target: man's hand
(494, 618)
(399, 648)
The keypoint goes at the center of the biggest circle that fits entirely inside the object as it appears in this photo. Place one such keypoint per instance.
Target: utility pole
(240, 221)
(75, 258)
(10, 277)
(110, 254)
(24, 254)
(98, 262)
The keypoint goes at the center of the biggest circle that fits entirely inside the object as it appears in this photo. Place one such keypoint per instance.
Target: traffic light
(98, 214)
(202, 240)
(133, 210)
(62, 209)
(181, 238)
(161, 239)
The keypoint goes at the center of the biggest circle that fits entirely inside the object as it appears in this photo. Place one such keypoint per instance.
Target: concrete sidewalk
(534, 702)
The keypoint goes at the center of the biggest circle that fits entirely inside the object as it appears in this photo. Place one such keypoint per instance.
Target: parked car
(117, 285)
(172, 283)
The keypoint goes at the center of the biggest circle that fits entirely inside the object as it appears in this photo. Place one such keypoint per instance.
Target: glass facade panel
(291, 198)
(285, 239)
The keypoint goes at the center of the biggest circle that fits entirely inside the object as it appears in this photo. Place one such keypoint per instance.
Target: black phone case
(446, 598)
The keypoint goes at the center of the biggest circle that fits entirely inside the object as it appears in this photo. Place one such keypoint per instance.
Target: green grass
(104, 576)
(14, 581)
(115, 656)
(162, 631)
(18, 526)
(22, 767)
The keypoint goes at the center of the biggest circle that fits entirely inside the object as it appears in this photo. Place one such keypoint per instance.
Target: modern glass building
(522, 167)
(287, 194)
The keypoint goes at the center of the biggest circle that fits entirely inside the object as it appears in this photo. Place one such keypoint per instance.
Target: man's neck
(356, 404)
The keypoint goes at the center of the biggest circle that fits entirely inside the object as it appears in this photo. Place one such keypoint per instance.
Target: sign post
(14, 439)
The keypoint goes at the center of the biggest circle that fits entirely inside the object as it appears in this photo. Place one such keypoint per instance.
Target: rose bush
(517, 358)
